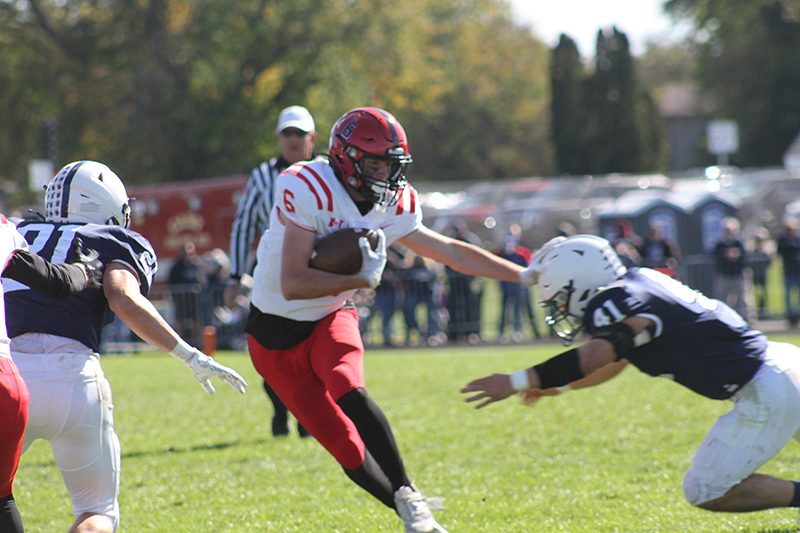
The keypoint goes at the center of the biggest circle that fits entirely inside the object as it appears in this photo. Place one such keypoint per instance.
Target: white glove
(373, 262)
(204, 368)
(530, 275)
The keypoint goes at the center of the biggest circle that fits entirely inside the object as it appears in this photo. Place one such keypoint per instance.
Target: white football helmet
(570, 273)
(89, 192)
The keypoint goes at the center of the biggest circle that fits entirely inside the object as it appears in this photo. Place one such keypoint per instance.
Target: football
(339, 253)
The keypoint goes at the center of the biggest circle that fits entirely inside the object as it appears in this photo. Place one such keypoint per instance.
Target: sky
(640, 20)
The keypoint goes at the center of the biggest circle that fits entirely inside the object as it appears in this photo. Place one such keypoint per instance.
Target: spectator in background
(386, 294)
(525, 294)
(789, 250)
(419, 282)
(296, 135)
(512, 296)
(760, 259)
(659, 253)
(627, 244)
(730, 265)
(216, 268)
(463, 295)
(187, 281)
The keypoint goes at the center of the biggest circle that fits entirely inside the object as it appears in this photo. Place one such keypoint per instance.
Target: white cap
(295, 117)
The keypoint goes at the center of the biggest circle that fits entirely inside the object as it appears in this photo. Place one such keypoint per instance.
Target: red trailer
(199, 211)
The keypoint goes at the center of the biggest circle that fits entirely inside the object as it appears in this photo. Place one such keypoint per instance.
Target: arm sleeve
(55, 281)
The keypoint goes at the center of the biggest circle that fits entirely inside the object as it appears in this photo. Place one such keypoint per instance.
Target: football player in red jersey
(303, 326)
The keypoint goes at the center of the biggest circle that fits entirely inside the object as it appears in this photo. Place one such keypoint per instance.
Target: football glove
(205, 368)
(90, 260)
(530, 275)
(373, 261)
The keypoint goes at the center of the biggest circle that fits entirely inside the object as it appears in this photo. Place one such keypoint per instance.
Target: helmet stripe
(395, 138)
(65, 189)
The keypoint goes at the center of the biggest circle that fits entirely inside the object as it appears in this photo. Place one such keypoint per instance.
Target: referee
(296, 135)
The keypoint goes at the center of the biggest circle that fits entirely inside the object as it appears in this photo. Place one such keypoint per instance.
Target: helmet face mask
(563, 324)
(571, 273)
(87, 192)
(382, 192)
(363, 139)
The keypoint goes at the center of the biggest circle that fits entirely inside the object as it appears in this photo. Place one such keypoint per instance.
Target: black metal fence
(418, 307)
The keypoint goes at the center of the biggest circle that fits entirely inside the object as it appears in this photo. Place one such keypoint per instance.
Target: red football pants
(312, 375)
(14, 399)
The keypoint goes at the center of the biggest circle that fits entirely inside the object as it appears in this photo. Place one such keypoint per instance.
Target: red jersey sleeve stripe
(325, 188)
(400, 203)
(294, 172)
(412, 195)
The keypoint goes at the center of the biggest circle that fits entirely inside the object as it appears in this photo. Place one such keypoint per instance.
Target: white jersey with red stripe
(311, 196)
(10, 241)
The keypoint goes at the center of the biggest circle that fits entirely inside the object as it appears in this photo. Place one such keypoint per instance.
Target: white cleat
(414, 510)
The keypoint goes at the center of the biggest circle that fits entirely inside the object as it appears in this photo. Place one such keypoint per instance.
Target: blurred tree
(568, 114)
(749, 60)
(665, 64)
(614, 145)
(165, 90)
(614, 126)
(159, 89)
(488, 115)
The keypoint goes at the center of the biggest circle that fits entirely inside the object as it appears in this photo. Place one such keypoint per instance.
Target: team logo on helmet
(348, 130)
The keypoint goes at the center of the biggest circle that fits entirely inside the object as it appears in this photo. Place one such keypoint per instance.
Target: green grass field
(609, 459)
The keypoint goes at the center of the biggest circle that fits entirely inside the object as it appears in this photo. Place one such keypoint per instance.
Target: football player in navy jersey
(664, 328)
(55, 344)
(57, 281)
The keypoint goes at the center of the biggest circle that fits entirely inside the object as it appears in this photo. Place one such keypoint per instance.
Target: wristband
(182, 351)
(520, 380)
(565, 388)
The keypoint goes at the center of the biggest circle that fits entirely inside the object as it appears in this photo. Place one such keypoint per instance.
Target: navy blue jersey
(80, 317)
(699, 342)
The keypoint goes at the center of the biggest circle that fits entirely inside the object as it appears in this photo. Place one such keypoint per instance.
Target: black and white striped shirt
(252, 215)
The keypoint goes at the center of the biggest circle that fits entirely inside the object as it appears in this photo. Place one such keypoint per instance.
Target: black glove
(90, 261)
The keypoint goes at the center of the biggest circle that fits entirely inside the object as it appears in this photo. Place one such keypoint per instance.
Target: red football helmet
(370, 133)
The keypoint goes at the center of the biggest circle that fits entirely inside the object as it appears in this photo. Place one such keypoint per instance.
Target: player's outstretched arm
(121, 287)
(598, 377)
(565, 368)
(461, 256)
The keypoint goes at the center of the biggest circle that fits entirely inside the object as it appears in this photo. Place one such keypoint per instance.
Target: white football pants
(71, 407)
(765, 417)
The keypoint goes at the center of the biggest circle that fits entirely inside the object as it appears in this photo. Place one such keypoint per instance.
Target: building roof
(684, 100)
